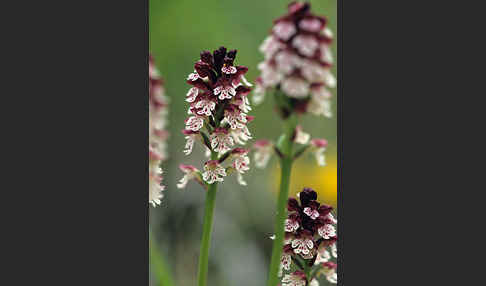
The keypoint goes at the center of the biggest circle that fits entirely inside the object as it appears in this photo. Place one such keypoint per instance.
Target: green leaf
(205, 139)
(301, 151)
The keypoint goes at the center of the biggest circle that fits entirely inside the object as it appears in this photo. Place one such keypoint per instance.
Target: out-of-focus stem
(202, 275)
(285, 145)
(157, 262)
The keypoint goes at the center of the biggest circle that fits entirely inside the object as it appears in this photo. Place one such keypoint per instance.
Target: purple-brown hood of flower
(239, 151)
(306, 196)
(261, 143)
(187, 168)
(319, 143)
(330, 265)
(328, 242)
(287, 249)
(293, 205)
(189, 132)
(242, 90)
(199, 83)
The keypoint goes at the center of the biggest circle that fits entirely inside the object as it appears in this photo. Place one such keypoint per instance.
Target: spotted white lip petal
(229, 69)
(193, 76)
(194, 123)
(189, 145)
(192, 94)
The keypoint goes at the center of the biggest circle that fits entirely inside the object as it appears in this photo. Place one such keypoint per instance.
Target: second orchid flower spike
(297, 61)
(296, 68)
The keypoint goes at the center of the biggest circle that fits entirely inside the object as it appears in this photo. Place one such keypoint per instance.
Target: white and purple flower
(318, 149)
(263, 151)
(225, 91)
(297, 278)
(221, 140)
(193, 76)
(191, 137)
(195, 123)
(190, 173)
(213, 172)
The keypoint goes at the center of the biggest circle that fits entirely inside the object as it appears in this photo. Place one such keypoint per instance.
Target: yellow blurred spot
(306, 173)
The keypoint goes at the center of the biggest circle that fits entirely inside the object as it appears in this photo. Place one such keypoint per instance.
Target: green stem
(160, 268)
(307, 271)
(202, 275)
(285, 145)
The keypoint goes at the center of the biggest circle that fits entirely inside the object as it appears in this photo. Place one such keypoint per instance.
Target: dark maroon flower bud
(296, 217)
(230, 57)
(218, 57)
(293, 205)
(228, 62)
(288, 249)
(313, 205)
(199, 83)
(298, 8)
(242, 90)
(324, 210)
(222, 51)
(307, 195)
(309, 224)
(232, 54)
(202, 68)
(207, 57)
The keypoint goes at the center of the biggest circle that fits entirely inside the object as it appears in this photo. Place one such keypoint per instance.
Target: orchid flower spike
(218, 117)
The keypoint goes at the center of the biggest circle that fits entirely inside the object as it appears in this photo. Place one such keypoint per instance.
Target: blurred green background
(240, 251)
